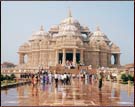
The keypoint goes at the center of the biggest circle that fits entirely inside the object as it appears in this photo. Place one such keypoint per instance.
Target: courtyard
(79, 93)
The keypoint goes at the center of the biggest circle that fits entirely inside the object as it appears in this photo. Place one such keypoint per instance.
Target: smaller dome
(98, 32)
(25, 44)
(114, 47)
(54, 27)
(41, 32)
(34, 37)
(39, 35)
(24, 47)
(99, 36)
(103, 44)
(84, 27)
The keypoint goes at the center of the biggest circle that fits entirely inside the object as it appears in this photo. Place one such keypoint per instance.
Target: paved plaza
(79, 93)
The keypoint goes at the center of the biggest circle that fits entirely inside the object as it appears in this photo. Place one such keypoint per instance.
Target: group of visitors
(69, 64)
(65, 78)
(92, 78)
(49, 78)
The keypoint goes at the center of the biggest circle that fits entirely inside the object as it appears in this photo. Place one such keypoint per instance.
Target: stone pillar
(74, 56)
(56, 60)
(109, 59)
(81, 56)
(21, 58)
(40, 57)
(31, 58)
(64, 57)
(34, 58)
(37, 58)
(118, 59)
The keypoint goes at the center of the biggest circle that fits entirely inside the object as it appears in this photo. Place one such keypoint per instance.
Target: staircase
(61, 69)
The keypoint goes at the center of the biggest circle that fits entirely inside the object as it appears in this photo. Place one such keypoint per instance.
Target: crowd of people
(45, 78)
(69, 65)
(65, 78)
(49, 78)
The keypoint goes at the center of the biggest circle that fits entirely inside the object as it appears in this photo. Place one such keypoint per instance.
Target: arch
(112, 59)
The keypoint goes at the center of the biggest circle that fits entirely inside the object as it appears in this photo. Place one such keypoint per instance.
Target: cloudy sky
(21, 19)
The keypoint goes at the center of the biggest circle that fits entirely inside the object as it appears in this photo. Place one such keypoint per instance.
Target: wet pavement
(79, 93)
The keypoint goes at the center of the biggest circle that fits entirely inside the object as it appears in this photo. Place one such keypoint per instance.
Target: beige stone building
(68, 41)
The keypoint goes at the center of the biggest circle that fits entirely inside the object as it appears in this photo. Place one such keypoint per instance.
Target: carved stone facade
(68, 41)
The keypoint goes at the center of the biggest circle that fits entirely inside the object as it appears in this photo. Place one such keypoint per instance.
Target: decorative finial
(69, 13)
(69, 21)
(97, 28)
(41, 28)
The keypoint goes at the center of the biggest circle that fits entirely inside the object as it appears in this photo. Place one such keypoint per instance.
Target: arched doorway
(113, 59)
(25, 58)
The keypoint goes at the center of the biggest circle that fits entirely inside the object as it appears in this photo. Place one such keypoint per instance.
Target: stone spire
(41, 28)
(69, 13)
(97, 28)
(69, 16)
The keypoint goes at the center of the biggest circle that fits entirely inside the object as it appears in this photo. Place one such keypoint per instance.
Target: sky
(19, 19)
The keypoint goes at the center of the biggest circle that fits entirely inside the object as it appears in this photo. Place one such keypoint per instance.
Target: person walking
(50, 78)
(92, 79)
(100, 78)
(41, 79)
(65, 78)
(56, 79)
(86, 78)
(69, 76)
(61, 78)
(44, 79)
(35, 81)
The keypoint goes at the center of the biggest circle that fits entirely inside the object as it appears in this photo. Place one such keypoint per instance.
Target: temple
(69, 41)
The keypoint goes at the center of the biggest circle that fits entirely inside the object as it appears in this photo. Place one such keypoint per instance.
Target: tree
(7, 77)
(2, 77)
(124, 77)
(131, 78)
(12, 76)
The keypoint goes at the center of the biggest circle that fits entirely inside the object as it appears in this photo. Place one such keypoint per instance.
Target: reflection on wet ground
(79, 93)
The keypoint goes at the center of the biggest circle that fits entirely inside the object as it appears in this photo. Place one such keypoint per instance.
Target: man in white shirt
(56, 79)
(65, 78)
(50, 78)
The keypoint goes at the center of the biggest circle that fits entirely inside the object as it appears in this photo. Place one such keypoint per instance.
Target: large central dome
(69, 26)
(71, 19)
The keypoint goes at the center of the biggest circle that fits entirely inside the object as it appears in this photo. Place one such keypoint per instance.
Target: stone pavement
(79, 93)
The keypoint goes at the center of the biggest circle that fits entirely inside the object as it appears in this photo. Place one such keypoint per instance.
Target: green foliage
(125, 77)
(130, 77)
(2, 77)
(7, 77)
(12, 76)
